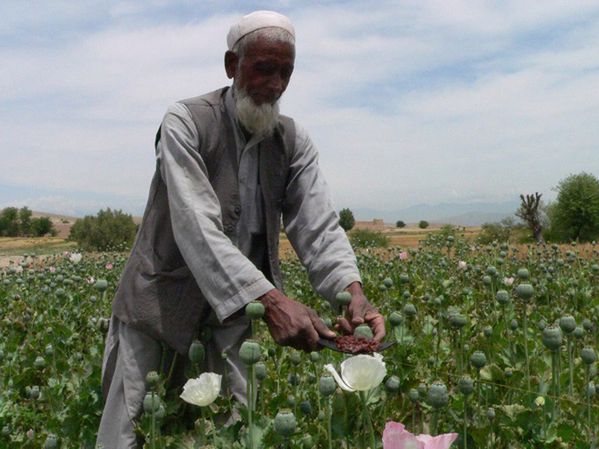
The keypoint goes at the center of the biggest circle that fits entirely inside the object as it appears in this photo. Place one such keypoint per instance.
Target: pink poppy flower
(395, 436)
(108, 266)
(404, 255)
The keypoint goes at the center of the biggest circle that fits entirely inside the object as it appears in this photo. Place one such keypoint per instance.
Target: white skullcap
(255, 21)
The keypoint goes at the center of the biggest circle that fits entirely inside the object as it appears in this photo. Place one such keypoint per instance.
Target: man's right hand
(291, 323)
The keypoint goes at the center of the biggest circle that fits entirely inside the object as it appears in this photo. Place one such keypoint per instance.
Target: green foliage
(575, 214)
(423, 224)
(18, 223)
(365, 238)
(499, 232)
(42, 226)
(346, 219)
(400, 224)
(109, 229)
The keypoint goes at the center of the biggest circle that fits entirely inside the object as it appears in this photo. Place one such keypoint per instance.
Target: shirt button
(237, 210)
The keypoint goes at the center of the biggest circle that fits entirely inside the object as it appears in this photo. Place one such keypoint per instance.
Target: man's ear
(231, 61)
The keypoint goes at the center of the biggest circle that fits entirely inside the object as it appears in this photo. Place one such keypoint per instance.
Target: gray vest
(157, 293)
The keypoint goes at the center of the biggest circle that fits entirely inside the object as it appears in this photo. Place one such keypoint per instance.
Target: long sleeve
(226, 277)
(312, 224)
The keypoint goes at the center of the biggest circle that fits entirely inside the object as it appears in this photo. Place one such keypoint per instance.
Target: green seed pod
(101, 285)
(478, 359)
(293, 379)
(404, 278)
(196, 352)
(260, 371)
(315, 356)
(382, 287)
(364, 331)
(413, 395)
(255, 310)
(406, 295)
(60, 293)
(151, 402)
(508, 372)
(491, 413)
(437, 395)
(567, 323)
(525, 291)
(487, 280)
(40, 362)
(409, 310)
(491, 270)
(34, 392)
(307, 442)
(488, 331)
(250, 352)
(514, 324)
(49, 350)
(152, 379)
(285, 423)
(51, 442)
(387, 282)
(466, 385)
(578, 332)
(295, 357)
(306, 408)
(395, 319)
(542, 324)
(392, 383)
(587, 325)
(523, 274)
(291, 400)
(343, 298)
(588, 355)
(552, 338)
(457, 320)
(327, 385)
(502, 297)
(591, 389)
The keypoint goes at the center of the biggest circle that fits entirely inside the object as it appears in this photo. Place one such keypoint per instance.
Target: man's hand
(291, 323)
(360, 311)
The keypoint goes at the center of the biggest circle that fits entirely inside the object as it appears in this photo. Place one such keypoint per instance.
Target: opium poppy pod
(250, 352)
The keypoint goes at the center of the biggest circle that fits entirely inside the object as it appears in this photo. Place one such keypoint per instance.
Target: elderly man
(228, 167)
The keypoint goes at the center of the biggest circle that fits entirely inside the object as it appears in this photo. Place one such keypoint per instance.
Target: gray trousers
(128, 357)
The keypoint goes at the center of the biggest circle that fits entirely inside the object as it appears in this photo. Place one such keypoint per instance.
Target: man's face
(265, 70)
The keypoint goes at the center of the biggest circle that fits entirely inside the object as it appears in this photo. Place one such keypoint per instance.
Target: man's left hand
(360, 311)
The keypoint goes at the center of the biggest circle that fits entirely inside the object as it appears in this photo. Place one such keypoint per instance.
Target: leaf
(513, 410)
(491, 373)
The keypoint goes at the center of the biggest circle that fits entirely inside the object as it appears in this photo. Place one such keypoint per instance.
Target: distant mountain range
(459, 214)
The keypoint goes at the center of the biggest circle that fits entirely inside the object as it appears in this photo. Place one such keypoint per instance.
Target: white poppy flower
(203, 390)
(75, 257)
(360, 373)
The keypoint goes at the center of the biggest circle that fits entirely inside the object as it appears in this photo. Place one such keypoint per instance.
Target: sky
(408, 102)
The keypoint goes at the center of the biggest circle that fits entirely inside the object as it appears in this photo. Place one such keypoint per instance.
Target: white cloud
(408, 101)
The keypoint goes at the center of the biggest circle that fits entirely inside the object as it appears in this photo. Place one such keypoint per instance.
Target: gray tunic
(211, 261)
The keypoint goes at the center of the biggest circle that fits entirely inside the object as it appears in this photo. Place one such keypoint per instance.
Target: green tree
(499, 232)
(423, 224)
(108, 229)
(25, 221)
(9, 222)
(400, 224)
(575, 213)
(346, 219)
(41, 226)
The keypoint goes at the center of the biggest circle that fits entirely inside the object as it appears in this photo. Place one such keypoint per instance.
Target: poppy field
(497, 344)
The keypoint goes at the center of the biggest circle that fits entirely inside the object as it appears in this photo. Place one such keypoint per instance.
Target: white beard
(259, 120)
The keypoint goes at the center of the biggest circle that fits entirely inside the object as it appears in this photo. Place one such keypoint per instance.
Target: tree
(25, 221)
(575, 214)
(109, 229)
(423, 224)
(9, 222)
(496, 232)
(42, 226)
(529, 211)
(400, 224)
(346, 219)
